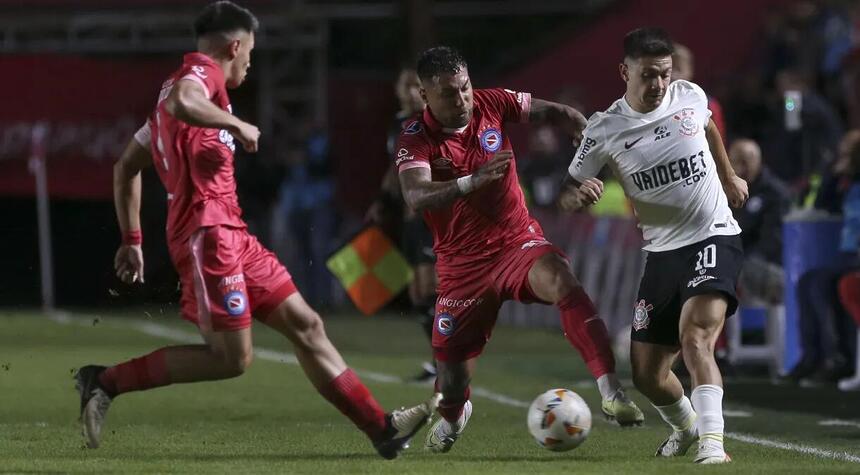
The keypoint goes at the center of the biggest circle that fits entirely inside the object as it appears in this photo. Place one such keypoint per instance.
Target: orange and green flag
(371, 269)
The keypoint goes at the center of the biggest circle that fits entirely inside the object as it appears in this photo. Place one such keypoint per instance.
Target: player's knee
(240, 362)
(697, 342)
(308, 331)
(234, 362)
(561, 282)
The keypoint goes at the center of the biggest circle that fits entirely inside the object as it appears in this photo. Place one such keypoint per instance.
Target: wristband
(465, 184)
(132, 238)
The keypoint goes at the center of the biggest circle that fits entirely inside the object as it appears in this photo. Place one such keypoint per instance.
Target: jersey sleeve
(411, 149)
(701, 98)
(591, 155)
(513, 106)
(204, 74)
(143, 136)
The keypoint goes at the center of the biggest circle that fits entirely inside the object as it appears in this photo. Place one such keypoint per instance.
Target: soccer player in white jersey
(662, 145)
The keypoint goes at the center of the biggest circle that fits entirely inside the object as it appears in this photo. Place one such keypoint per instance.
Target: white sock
(679, 414)
(708, 401)
(608, 385)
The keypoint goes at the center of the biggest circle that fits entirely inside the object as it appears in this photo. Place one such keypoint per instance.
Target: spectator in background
(542, 166)
(803, 131)
(827, 333)
(761, 219)
(683, 67)
(306, 201)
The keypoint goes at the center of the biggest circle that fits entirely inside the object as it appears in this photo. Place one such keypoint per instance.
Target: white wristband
(465, 184)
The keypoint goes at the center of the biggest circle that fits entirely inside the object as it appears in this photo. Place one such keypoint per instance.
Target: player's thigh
(218, 296)
(651, 362)
(708, 292)
(702, 318)
(268, 281)
(550, 277)
(658, 301)
(465, 315)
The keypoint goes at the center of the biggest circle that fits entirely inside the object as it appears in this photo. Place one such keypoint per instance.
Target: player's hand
(247, 134)
(736, 191)
(128, 263)
(493, 170)
(590, 191)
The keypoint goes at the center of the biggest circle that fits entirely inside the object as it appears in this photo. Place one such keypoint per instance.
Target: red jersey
(195, 163)
(475, 227)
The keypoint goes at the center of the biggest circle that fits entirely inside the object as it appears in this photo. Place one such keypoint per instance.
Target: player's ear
(624, 71)
(233, 48)
(423, 93)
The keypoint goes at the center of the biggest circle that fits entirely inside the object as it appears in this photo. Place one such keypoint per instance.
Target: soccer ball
(559, 420)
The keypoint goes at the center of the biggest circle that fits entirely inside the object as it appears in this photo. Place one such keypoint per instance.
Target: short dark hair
(647, 42)
(224, 17)
(439, 60)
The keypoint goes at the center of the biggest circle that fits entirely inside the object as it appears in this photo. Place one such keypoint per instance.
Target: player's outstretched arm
(734, 186)
(187, 102)
(420, 191)
(562, 116)
(128, 261)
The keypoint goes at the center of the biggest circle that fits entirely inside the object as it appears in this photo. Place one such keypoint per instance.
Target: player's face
(242, 47)
(449, 96)
(647, 79)
(408, 91)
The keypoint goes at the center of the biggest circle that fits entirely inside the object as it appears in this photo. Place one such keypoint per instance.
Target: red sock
(452, 408)
(586, 332)
(347, 393)
(849, 294)
(146, 372)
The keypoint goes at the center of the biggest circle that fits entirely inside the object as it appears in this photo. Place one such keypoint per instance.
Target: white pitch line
(838, 422)
(821, 453)
(168, 333)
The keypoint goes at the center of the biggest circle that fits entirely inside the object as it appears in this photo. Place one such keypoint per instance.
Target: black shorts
(672, 277)
(417, 242)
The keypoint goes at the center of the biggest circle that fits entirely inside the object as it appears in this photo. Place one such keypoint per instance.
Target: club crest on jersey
(445, 324)
(491, 140)
(688, 123)
(640, 315)
(235, 303)
(412, 128)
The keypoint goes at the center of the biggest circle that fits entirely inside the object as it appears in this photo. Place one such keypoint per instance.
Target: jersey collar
(630, 111)
(437, 127)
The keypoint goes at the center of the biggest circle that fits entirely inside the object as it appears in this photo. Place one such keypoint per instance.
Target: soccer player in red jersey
(227, 277)
(455, 164)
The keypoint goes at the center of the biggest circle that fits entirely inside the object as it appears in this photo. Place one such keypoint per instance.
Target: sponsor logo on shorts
(445, 324)
(491, 140)
(232, 280)
(457, 303)
(640, 315)
(698, 280)
(535, 243)
(235, 303)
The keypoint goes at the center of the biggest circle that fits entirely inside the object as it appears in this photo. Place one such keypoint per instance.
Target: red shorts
(226, 277)
(467, 306)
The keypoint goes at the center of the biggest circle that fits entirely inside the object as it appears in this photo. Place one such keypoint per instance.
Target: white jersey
(664, 164)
